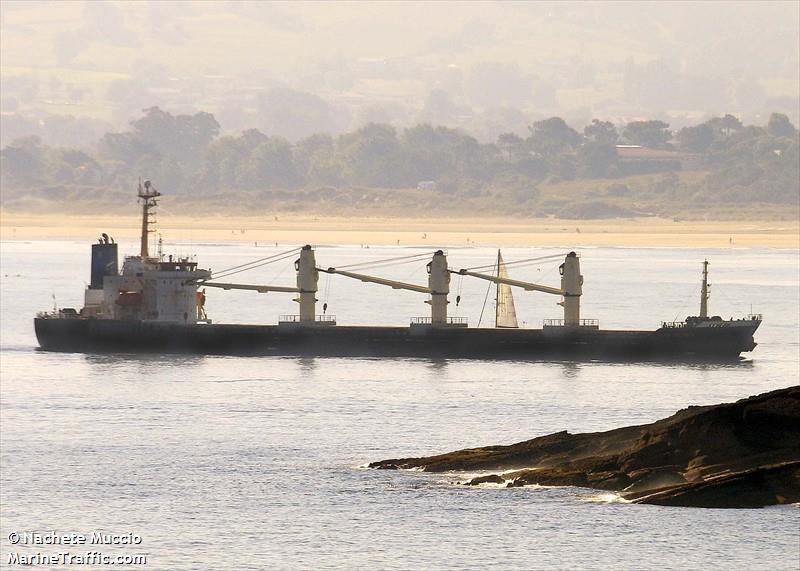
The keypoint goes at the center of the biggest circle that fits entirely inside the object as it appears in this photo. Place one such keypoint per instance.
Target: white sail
(506, 314)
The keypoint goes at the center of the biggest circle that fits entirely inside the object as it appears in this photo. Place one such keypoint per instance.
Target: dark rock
(734, 454)
(763, 486)
(490, 479)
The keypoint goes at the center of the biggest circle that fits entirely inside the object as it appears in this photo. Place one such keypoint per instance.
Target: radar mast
(148, 194)
(704, 292)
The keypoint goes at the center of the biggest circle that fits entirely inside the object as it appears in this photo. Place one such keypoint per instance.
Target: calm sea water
(255, 463)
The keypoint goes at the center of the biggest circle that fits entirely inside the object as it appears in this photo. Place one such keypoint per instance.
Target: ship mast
(148, 194)
(571, 286)
(704, 292)
(438, 285)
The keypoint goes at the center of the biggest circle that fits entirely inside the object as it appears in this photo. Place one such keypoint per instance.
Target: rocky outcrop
(741, 454)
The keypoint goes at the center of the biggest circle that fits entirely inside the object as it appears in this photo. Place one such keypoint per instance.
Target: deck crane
(251, 287)
(307, 280)
(570, 290)
(438, 285)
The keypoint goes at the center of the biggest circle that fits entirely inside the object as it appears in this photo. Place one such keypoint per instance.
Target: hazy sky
(447, 62)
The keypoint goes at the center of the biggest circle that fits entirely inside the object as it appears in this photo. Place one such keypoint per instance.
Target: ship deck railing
(65, 313)
(317, 319)
(454, 321)
(693, 320)
(592, 323)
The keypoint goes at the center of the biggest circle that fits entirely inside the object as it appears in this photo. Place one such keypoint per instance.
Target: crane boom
(508, 281)
(258, 288)
(376, 280)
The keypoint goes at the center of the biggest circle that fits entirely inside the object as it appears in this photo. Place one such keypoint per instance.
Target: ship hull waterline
(580, 344)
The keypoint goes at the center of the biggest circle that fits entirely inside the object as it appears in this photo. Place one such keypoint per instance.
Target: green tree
(163, 138)
(316, 160)
(22, 162)
(165, 170)
(551, 137)
(372, 156)
(724, 126)
(124, 147)
(225, 160)
(184, 138)
(431, 152)
(696, 139)
(601, 132)
(269, 165)
(780, 126)
(653, 134)
(595, 160)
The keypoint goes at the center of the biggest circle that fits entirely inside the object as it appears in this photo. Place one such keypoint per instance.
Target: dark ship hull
(720, 343)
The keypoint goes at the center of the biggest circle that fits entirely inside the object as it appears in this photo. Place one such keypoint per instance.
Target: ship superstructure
(149, 288)
(155, 303)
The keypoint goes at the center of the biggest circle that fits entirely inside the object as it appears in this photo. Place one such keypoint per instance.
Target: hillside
(70, 69)
(720, 168)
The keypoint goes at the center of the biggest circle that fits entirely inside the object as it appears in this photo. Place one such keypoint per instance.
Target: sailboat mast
(497, 294)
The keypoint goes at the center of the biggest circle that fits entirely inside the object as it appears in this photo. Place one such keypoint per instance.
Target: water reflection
(308, 367)
(145, 363)
(701, 365)
(436, 366)
(570, 370)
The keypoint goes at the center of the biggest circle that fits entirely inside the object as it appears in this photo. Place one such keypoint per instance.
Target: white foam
(605, 498)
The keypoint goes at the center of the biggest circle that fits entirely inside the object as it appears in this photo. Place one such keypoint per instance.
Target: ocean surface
(257, 463)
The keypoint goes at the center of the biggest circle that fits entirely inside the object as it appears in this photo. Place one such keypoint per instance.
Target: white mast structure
(307, 280)
(438, 285)
(704, 292)
(149, 196)
(307, 285)
(570, 290)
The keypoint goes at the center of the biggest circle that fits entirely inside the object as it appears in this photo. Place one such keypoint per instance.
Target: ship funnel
(104, 263)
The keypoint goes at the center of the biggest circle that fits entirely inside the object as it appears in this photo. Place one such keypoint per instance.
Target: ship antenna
(704, 292)
(149, 195)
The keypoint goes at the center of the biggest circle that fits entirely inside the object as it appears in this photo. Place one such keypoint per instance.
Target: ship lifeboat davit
(129, 298)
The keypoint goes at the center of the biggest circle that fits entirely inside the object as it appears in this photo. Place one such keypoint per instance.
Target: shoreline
(669, 462)
(405, 231)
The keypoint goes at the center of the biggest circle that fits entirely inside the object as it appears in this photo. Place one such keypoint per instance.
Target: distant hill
(477, 66)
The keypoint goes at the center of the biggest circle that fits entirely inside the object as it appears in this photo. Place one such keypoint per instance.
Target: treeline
(186, 154)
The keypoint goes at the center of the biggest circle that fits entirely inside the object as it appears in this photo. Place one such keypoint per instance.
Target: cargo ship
(156, 304)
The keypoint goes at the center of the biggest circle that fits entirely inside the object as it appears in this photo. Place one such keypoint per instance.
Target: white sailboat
(505, 312)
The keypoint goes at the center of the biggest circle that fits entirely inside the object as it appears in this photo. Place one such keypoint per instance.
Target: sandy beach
(296, 229)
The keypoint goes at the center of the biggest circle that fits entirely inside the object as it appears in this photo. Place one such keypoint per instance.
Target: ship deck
(578, 343)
